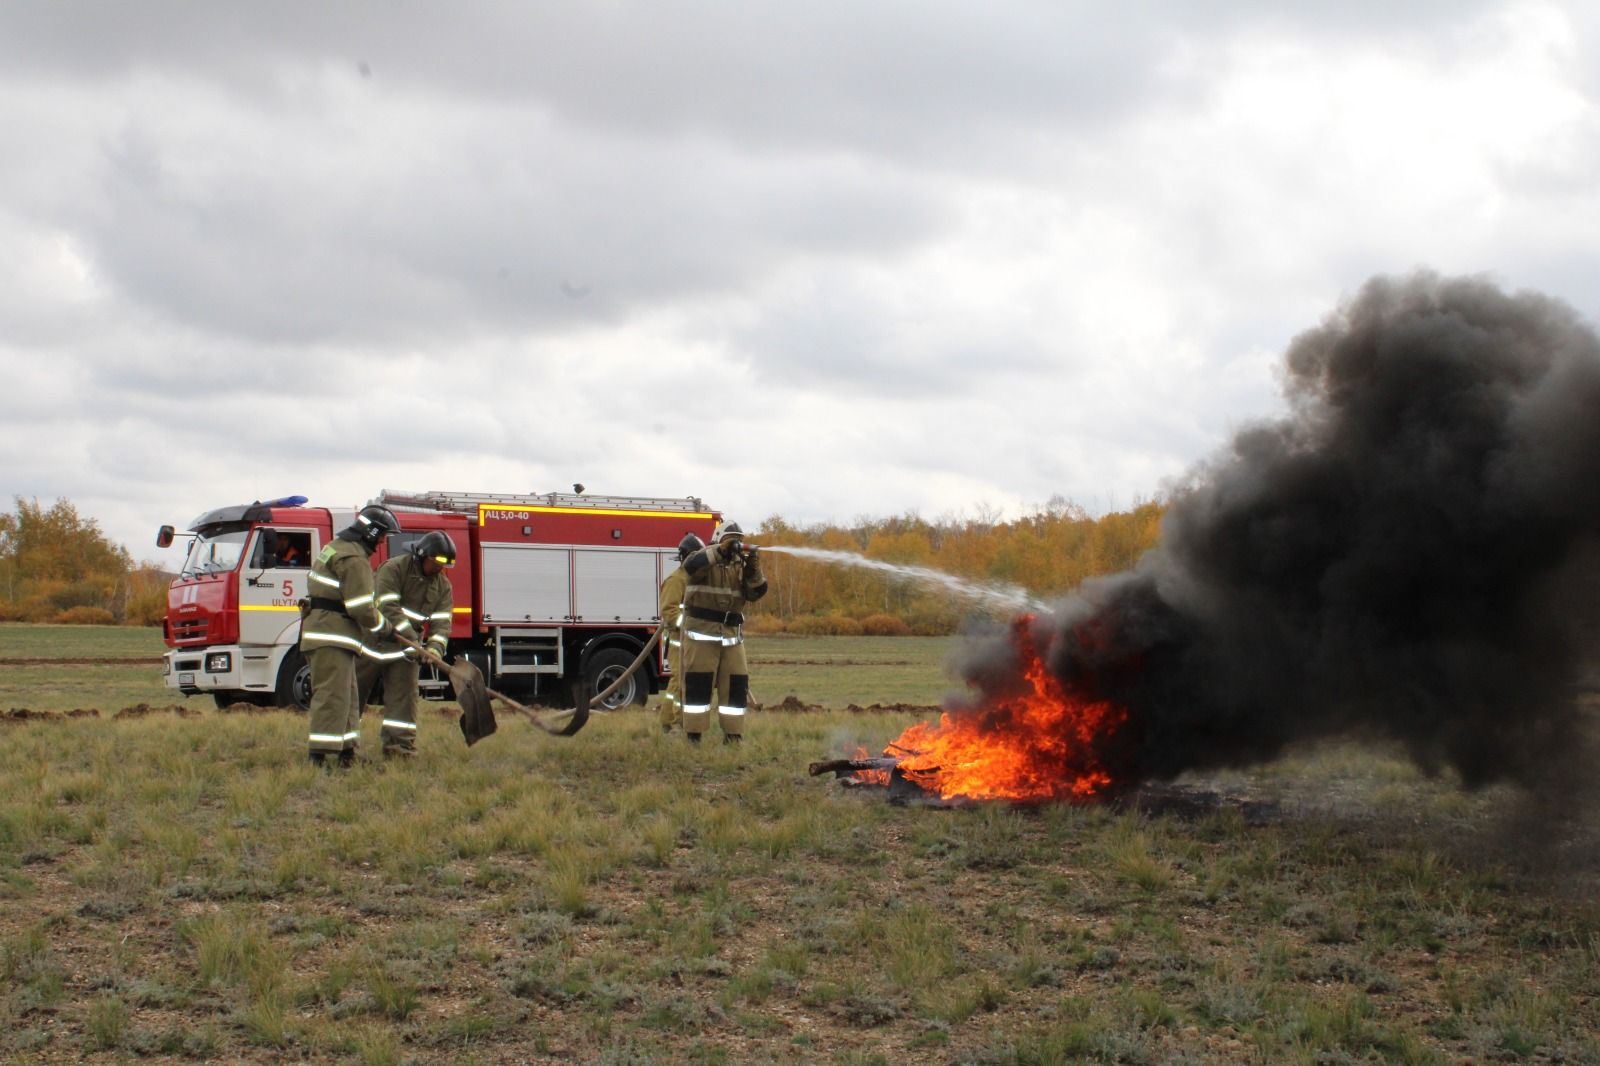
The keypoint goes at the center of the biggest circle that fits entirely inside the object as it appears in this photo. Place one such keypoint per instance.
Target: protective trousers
(335, 704)
(715, 671)
(399, 677)
(672, 699)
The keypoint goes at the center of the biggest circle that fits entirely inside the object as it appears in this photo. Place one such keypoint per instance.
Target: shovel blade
(477, 713)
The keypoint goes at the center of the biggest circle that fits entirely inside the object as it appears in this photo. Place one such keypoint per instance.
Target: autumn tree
(56, 565)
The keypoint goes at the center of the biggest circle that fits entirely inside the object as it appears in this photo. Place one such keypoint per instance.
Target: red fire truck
(551, 591)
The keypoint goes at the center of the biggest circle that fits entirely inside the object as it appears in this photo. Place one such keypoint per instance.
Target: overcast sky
(821, 260)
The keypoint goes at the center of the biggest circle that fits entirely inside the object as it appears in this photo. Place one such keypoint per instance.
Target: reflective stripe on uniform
(415, 616)
(331, 638)
(388, 597)
(725, 709)
(334, 738)
(359, 601)
(692, 635)
(329, 581)
(440, 616)
(389, 724)
(384, 656)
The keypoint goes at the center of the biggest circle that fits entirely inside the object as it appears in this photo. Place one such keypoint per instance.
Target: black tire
(294, 682)
(605, 667)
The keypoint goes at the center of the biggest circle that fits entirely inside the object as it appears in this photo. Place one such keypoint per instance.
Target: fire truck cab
(552, 591)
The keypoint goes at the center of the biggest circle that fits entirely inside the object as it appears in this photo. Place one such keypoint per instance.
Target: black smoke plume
(1413, 551)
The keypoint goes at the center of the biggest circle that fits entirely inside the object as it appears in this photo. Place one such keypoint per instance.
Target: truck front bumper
(193, 671)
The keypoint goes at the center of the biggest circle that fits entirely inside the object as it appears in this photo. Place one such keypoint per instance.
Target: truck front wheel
(605, 667)
(294, 682)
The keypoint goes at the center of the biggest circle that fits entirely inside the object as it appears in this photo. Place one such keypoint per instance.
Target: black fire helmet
(435, 545)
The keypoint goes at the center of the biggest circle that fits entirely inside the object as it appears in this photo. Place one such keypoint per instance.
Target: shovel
(477, 714)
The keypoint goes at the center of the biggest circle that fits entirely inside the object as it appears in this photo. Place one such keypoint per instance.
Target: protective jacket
(719, 587)
(412, 600)
(343, 610)
(672, 591)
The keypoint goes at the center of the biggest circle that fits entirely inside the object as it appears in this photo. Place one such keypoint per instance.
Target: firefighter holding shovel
(339, 613)
(723, 577)
(414, 594)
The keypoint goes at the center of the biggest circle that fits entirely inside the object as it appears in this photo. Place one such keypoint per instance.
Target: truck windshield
(214, 553)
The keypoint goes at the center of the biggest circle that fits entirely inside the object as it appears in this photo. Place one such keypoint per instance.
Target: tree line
(1048, 552)
(58, 566)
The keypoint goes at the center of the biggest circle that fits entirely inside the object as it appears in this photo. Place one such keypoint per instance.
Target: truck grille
(190, 629)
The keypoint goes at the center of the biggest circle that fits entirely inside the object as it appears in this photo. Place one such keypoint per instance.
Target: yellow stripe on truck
(482, 507)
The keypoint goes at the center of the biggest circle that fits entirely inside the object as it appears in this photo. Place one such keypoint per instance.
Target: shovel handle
(430, 657)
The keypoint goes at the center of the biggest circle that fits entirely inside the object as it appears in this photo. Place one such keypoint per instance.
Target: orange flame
(1036, 747)
(869, 777)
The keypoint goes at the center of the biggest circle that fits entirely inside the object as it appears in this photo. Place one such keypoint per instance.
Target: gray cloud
(907, 256)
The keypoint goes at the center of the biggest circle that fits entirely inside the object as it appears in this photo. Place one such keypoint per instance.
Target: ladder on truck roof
(469, 502)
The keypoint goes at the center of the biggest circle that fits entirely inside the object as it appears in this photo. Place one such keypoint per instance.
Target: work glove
(730, 550)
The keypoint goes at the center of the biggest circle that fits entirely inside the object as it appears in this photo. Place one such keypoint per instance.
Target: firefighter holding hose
(723, 577)
(414, 594)
(339, 613)
(672, 593)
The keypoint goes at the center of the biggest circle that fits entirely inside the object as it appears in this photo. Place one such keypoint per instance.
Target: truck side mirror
(164, 537)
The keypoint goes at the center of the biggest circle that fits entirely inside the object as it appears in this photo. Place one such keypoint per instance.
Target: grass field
(185, 888)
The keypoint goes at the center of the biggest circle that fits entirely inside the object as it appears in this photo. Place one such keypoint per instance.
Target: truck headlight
(219, 662)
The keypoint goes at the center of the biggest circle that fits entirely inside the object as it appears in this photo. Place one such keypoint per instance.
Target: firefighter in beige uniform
(672, 590)
(341, 611)
(722, 579)
(412, 592)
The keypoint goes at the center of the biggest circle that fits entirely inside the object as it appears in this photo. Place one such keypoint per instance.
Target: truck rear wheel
(294, 682)
(605, 668)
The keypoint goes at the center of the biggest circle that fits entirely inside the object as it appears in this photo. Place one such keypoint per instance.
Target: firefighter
(412, 592)
(722, 579)
(672, 590)
(340, 611)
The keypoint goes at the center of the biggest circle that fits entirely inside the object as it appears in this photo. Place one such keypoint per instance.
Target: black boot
(319, 759)
(694, 738)
(347, 759)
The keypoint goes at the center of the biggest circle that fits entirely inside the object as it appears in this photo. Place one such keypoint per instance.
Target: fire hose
(473, 693)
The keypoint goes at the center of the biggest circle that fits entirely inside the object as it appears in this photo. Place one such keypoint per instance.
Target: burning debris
(1414, 553)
